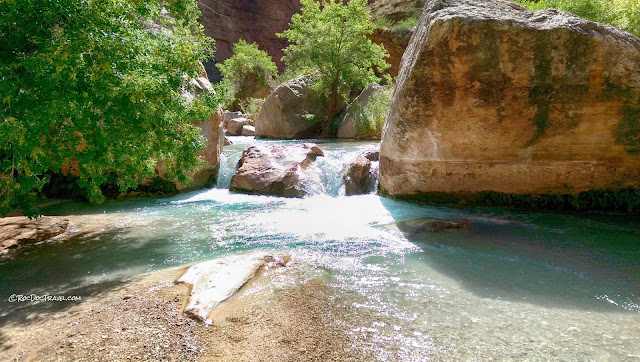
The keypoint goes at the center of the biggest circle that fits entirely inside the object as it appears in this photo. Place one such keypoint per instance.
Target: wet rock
(493, 97)
(357, 177)
(293, 110)
(423, 225)
(360, 176)
(16, 232)
(348, 125)
(227, 141)
(275, 170)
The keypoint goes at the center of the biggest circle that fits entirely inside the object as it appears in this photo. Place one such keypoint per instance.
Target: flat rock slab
(19, 231)
(214, 281)
(424, 225)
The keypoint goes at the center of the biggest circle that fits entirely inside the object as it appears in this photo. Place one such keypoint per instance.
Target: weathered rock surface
(424, 225)
(228, 115)
(293, 110)
(212, 130)
(16, 232)
(492, 97)
(254, 21)
(348, 125)
(214, 281)
(360, 176)
(234, 126)
(275, 170)
(248, 130)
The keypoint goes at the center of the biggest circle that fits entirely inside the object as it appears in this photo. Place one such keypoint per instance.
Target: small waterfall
(323, 176)
(228, 166)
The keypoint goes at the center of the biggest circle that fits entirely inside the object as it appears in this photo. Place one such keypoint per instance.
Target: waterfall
(322, 177)
(228, 166)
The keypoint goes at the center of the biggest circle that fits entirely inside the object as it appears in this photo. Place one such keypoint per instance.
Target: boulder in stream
(277, 170)
(360, 175)
(492, 97)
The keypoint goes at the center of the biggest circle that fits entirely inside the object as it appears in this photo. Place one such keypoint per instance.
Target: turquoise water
(516, 285)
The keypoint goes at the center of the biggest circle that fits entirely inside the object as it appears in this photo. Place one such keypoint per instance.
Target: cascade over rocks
(293, 110)
(493, 97)
(348, 127)
(277, 170)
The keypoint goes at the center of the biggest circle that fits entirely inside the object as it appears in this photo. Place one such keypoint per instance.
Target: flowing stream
(516, 285)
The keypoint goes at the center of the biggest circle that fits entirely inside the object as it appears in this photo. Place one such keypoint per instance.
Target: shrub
(623, 14)
(369, 120)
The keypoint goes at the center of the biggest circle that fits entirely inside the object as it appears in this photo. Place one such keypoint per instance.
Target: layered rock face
(492, 97)
(293, 110)
(254, 21)
(275, 170)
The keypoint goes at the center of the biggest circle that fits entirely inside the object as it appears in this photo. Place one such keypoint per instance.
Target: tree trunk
(333, 105)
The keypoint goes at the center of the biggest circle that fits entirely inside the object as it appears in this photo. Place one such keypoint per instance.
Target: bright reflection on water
(515, 286)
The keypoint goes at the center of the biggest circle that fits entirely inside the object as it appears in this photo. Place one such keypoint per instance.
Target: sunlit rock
(493, 97)
(275, 169)
(214, 281)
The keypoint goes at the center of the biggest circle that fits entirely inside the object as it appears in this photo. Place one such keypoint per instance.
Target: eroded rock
(293, 110)
(16, 232)
(493, 97)
(275, 169)
(214, 281)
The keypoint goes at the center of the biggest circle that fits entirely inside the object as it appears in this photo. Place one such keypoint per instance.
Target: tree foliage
(96, 85)
(247, 60)
(623, 14)
(331, 38)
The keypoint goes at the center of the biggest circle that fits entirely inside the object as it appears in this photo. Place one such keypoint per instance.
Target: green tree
(97, 84)
(248, 64)
(331, 38)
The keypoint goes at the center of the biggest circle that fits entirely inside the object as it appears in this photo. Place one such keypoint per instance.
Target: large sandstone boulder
(275, 170)
(348, 127)
(293, 110)
(492, 97)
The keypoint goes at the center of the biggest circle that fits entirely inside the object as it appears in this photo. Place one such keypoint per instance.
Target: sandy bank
(141, 320)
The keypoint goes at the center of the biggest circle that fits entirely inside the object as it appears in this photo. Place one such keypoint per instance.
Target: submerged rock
(493, 97)
(16, 232)
(423, 225)
(214, 281)
(277, 170)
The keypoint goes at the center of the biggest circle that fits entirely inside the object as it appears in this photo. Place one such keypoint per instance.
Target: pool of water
(516, 285)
